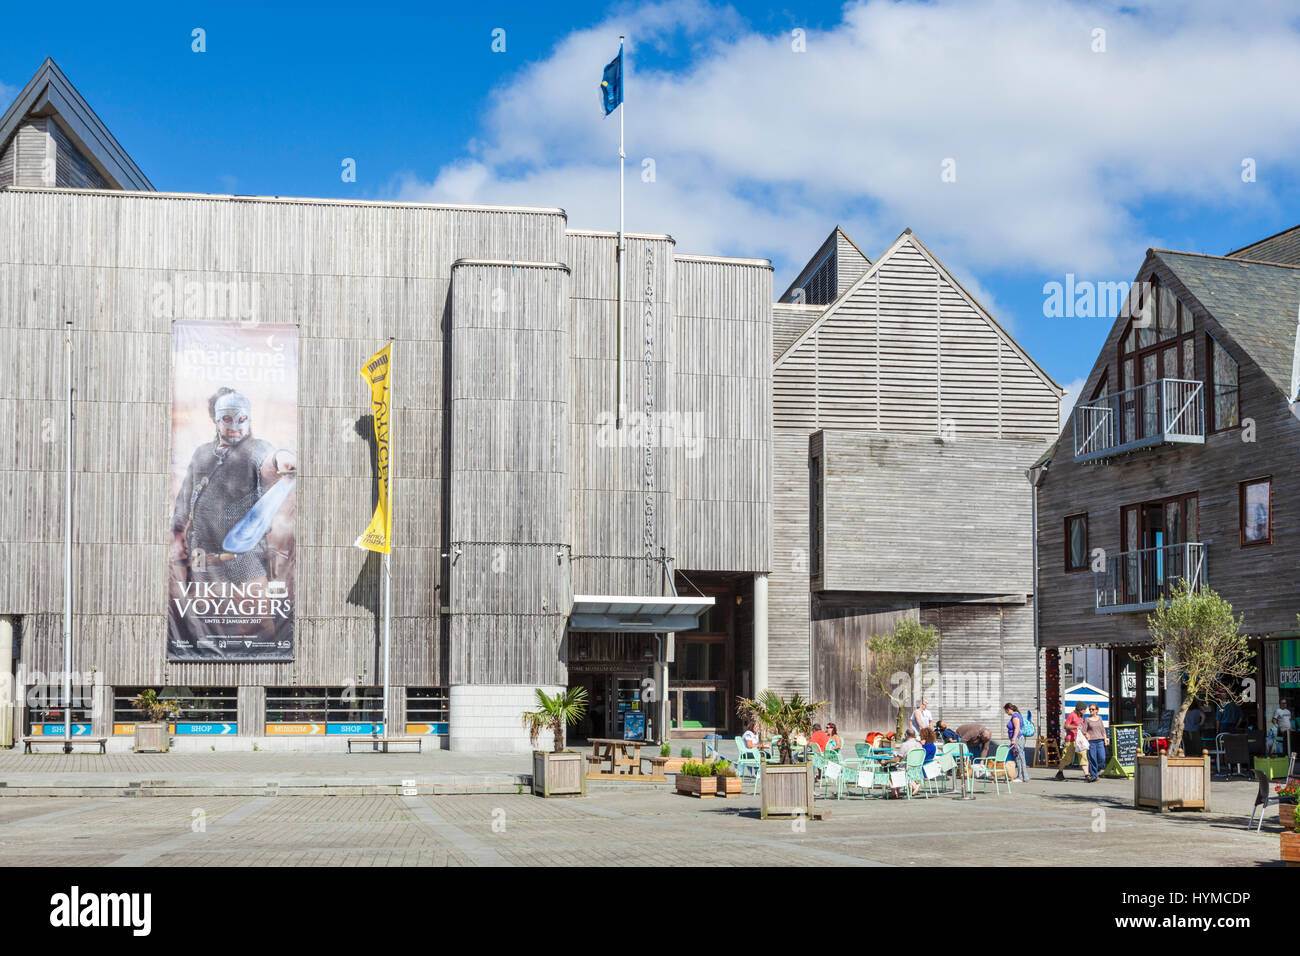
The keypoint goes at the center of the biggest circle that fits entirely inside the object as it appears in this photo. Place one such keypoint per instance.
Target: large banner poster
(234, 468)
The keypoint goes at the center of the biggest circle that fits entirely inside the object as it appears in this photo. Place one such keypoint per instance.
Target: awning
(624, 613)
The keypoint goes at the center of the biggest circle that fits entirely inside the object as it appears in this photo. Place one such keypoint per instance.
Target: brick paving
(1042, 823)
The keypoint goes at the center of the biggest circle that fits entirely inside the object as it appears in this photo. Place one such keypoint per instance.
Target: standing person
(1281, 721)
(976, 737)
(921, 717)
(1016, 734)
(1192, 730)
(1228, 714)
(1094, 732)
(1074, 745)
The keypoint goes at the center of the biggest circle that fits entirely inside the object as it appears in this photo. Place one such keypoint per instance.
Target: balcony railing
(1167, 410)
(1137, 580)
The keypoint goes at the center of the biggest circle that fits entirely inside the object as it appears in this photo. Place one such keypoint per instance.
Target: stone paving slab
(1040, 823)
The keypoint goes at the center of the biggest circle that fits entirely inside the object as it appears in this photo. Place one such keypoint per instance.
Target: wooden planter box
(1286, 815)
(559, 775)
(675, 764)
(1167, 783)
(702, 787)
(787, 790)
(1291, 849)
(152, 738)
(729, 786)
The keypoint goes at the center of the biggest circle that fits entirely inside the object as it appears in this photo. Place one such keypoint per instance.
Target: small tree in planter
(1201, 643)
(559, 772)
(787, 787)
(153, 735)
(784, 717)
(897, 655)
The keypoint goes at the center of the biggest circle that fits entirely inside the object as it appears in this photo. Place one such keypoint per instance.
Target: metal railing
(1137, 580)
(1166, 410)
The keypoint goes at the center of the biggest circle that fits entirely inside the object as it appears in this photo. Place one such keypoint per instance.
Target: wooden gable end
(906, 349)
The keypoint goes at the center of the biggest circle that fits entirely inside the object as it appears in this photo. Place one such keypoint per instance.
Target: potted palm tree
(153, 736)
(786, 787)
(560, 772)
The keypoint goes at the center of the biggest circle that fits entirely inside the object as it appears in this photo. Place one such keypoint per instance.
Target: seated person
(833, 741)
(946, 734)
(751, 738)
(928, 742)
(819, 737)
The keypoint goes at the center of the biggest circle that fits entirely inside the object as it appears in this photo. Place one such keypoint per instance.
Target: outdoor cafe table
(617, 752)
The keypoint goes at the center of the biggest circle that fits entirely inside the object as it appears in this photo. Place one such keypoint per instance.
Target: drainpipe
(1038, 653)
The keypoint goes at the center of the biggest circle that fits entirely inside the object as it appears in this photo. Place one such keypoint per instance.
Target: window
(1224, 388)
(1256, 504)
(821, 289)
(1157, 344)
(1076, 543)
(815, 516)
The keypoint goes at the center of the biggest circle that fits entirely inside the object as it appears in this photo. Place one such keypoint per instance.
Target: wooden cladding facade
(1258, 580)
(924, 415)
(504, 444)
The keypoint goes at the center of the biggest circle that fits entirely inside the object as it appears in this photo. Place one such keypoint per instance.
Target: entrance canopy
(632, 613)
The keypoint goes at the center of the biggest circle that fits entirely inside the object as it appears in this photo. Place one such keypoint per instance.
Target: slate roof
(1257, 303)
(1281, 247)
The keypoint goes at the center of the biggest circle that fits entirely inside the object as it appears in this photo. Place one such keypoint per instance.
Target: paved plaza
(239, 809)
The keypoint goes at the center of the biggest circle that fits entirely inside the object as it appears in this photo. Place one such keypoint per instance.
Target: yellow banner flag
(378, 536)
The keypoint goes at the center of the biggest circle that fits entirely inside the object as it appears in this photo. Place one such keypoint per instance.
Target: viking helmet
(231, 413)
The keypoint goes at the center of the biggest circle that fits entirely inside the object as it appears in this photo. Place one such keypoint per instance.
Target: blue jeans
(1018, 748)
(1096, 757)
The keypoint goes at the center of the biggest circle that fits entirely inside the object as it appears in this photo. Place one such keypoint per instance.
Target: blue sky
(1068, 158)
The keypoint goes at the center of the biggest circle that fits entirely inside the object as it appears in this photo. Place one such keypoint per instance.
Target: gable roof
(1256, 303)
(50, 93)
(827, 249)
(1281, 247)
(907, 238)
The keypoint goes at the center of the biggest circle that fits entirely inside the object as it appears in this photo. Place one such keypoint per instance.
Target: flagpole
(67, 549)
(622, 108)
(388, 557)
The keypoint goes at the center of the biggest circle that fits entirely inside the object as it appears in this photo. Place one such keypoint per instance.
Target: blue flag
(611, 85)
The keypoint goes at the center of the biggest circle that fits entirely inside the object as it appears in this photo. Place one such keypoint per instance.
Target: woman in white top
(921, 717)
(750, 736)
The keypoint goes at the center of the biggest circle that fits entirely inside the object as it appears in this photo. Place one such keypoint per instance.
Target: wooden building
(905, 422)
(658, 553)
(1179, 462)
(539, 542)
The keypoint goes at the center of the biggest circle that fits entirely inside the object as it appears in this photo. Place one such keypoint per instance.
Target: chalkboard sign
(1125, 745)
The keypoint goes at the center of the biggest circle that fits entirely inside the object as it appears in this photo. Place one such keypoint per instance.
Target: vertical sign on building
(234, 468)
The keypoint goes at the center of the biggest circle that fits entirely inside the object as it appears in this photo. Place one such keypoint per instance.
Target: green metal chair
(915, 761)
(994, 768)
(748, 761)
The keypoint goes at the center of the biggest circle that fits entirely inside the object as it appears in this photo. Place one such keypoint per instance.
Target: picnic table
(615, 753)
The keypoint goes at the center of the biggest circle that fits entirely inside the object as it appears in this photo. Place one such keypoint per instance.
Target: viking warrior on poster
(231, 571)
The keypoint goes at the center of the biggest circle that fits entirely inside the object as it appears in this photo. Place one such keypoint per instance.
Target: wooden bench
(595, 763)
(51, 739)
(383, 742)
(657, 765)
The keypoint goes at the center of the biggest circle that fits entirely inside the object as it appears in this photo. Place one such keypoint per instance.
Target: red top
(1072, 723)
(819, 737)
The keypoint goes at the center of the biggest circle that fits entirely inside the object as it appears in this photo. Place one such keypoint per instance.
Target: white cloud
(760, 150)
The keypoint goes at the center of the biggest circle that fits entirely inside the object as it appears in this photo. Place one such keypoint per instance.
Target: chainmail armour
(233, 487)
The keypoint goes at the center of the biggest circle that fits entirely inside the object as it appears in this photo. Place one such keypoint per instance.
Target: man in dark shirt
(946, 733)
